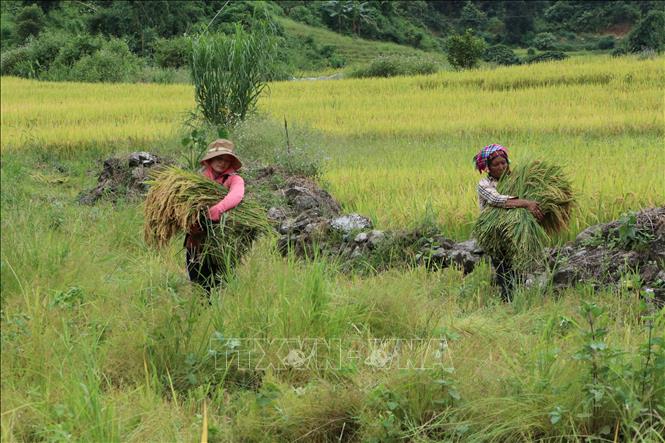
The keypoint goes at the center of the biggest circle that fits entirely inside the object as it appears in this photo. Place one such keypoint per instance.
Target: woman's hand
(533, 207)
(214, 213)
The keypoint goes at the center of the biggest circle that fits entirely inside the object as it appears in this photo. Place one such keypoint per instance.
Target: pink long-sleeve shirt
(236, 186)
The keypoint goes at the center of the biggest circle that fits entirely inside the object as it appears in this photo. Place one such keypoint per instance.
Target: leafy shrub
(10, 60)
(649, 33)
(547, 56)
(337, 61)
(77, 47)
(531, 51)
(607, 42)
(619, 51)
(6, 34)
(114, 62)
(545, 41)
(29, 21)
(394, 65)
(173, 53)
(230, 72)
(647, 54)
(501, 54)
(464, 50)
(305, 15)
(46, 48)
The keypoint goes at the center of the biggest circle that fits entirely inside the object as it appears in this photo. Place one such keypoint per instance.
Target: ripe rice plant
(515, 233)
(179, 199)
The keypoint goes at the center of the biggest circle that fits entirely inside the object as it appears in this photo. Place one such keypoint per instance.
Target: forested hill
(60, 39)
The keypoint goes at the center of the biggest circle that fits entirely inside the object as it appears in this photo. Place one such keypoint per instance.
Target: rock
(361, 238)
(142, 159)
(375, 238)
(276, 214)
(465, 259)
(588, 234)
(439, 254)
(357, 252)
(564, 276)
(300, 198)
(350, 222)
(469, 245)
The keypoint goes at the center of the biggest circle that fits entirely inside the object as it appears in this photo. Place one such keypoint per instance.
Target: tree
(518, 20)
(347, 14)
(649, 33)
(29, 21)
(465, 50)
(472, 17)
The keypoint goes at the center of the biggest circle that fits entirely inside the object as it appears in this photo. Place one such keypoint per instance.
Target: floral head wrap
(488, 153)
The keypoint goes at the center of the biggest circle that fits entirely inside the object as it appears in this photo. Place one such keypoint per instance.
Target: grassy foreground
(105, 340)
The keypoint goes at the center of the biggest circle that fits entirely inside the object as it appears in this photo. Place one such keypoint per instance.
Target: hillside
(150, 41)
(353, 50)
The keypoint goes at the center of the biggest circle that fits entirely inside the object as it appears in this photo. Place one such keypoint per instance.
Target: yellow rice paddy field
(398, 149)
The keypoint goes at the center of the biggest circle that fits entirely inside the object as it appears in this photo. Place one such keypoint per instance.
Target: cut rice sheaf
(516, 234)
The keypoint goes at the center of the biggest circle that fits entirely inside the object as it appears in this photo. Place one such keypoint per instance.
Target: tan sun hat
(219, 147)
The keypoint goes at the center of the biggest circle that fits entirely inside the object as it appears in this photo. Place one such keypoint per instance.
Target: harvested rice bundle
(515, 233)
(178, 199)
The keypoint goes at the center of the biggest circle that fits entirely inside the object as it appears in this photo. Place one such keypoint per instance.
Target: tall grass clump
(395, 65)
(179, 199)
(515, 233)
(230, 72)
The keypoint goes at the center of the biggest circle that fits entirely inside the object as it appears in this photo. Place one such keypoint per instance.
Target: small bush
(531, 51)
(464, 50)
(337, 61)
(173, 53)
(305, 15)
(619, 51)
(501, 54)
(547, 57)
(545, 41)
(114, 62)
(607, 42)
(394, 65)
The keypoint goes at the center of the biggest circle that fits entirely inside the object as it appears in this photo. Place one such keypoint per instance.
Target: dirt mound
(122, 177)
(606, 253)
(291, 194)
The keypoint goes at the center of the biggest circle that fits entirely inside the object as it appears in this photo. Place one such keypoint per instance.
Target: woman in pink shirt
(220, 164)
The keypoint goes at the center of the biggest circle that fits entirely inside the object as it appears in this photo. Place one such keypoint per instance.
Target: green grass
(104, 339)
(354, 50)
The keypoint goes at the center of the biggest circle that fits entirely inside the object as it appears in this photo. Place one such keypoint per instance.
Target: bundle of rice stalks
(179, 199)
(516, 234)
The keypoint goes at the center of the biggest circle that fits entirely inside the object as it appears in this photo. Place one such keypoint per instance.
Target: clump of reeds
(515, 234)
(179, 199)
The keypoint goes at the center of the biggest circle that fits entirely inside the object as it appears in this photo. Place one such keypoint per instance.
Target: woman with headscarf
(494, 159)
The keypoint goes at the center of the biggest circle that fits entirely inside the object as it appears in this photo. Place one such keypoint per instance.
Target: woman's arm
(233, 198)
